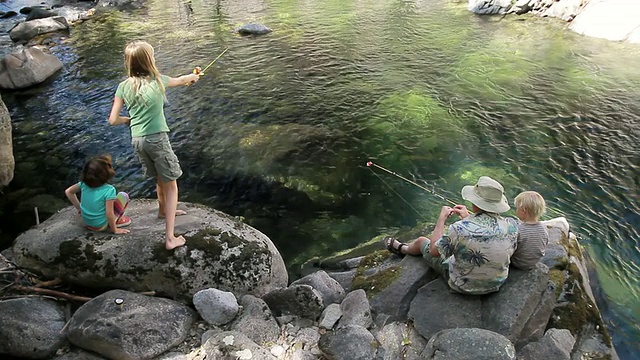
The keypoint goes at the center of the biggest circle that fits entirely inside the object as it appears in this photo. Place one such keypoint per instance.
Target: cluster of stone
(616, 20)
(225, 295)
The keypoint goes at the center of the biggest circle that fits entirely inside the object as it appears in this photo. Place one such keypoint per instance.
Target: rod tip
(369, 163)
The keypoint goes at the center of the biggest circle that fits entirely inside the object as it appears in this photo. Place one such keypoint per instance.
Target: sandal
(124, 220)
(388, 243)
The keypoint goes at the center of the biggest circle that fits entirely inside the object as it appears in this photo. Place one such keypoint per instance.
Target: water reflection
(281, 127)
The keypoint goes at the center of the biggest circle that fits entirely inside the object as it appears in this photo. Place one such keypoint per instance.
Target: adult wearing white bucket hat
(474, 254)
(487, 195)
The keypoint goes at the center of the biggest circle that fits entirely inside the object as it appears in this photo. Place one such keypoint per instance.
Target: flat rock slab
(616, 20)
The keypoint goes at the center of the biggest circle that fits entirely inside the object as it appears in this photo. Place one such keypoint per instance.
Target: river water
(279, 130)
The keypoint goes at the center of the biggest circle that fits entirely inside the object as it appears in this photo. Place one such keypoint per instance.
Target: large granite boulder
(556, 344)
(565, 10)
(506, 312)
(468, 344)
(24, 31)
(31, 327)
(7, 162)
(121, 325)
(404, 277)
(26, 68)
(221, 252)
(617, 20)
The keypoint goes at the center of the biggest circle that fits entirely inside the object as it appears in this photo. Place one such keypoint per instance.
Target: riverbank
(240, 139)
(615, 20)
(375, 306)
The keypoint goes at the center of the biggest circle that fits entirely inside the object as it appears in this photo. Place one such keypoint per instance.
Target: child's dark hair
(98, 171)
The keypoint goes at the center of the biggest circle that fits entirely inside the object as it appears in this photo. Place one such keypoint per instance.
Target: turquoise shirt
(93, 203)
(146, 113)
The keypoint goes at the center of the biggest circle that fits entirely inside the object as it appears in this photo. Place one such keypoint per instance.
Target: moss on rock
(558, 278)
(579, 310)
(572, 247)
(375, 283)
(72, 254)
(207, 241)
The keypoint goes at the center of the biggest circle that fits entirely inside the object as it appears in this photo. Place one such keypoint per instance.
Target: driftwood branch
(58, 294)
(49, 283)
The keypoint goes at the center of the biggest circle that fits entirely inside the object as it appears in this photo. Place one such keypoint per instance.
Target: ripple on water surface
(279, 129)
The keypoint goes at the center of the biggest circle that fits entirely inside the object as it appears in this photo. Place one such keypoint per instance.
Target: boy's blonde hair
(141, 66)
(532, 202)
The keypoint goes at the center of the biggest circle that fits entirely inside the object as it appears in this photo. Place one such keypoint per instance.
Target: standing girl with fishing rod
(143, 93)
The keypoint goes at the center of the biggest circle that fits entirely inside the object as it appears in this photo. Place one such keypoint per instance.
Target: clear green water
(280, 129)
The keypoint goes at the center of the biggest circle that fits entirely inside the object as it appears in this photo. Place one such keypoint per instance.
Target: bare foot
(178, 213)
(174, 242)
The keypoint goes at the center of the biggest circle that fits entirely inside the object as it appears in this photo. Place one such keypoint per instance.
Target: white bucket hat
(487, 194)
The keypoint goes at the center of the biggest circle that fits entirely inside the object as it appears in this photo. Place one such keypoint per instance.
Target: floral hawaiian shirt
(478, 249)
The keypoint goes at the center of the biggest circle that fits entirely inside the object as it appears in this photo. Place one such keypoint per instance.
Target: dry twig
(58, 294)
(48, 283)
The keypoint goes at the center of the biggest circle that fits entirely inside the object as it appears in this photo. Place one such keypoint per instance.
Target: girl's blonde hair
(532, 202)
(141, 67)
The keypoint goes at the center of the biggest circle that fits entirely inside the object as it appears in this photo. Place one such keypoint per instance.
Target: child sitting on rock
(532, 234)
(100, 207)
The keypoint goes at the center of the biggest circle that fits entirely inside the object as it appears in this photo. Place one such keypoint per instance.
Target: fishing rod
(198, 71)
(370, 163)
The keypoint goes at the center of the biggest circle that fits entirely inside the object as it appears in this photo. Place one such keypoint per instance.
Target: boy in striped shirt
(532, 234)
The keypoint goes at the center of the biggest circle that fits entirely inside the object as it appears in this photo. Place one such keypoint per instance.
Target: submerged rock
(38, 13)
(253, 29)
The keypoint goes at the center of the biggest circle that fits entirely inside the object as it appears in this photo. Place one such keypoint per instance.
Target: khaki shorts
(156, 155)
(436, 262)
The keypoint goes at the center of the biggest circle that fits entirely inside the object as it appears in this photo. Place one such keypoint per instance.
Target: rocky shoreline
(26, 61)
(213, 299)
(240, 304)
(615, 20)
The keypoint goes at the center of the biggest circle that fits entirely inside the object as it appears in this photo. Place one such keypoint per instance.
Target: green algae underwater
(280, 130)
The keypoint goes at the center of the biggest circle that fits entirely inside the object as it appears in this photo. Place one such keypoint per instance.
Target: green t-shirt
(93, 203)
(147, 112)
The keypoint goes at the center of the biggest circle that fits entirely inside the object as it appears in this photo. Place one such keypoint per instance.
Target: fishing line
(369, 164)
(400, 196)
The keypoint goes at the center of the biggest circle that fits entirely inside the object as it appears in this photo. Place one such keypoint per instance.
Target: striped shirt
(532, 241)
